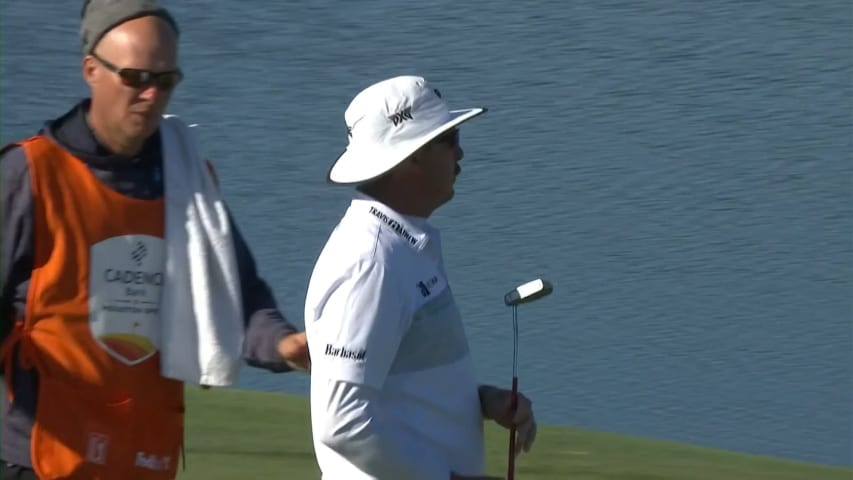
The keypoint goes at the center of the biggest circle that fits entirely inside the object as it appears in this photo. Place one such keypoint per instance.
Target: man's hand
(496, 404)
(294, 349)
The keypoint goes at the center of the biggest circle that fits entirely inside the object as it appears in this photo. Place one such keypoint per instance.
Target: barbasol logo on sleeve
(343, 352)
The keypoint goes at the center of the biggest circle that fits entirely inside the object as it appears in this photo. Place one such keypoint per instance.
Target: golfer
(393, 389)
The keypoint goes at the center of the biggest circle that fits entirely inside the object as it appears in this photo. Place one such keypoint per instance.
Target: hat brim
(351, 167)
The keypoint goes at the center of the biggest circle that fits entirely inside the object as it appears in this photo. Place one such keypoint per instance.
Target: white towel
(201, 309)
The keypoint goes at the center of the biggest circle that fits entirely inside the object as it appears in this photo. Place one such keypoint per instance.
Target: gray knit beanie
(101, 16)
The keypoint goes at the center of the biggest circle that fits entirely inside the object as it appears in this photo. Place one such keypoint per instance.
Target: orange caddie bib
(91, 328)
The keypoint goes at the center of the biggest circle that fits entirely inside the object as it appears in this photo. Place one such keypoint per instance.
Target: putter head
(528, 292)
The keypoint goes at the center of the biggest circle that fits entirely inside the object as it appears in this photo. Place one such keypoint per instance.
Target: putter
(525, 293)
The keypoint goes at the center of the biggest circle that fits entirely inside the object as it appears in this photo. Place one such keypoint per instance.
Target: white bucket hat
(387, 122)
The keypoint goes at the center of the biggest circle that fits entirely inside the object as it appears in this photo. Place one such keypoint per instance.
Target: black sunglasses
(142, 79)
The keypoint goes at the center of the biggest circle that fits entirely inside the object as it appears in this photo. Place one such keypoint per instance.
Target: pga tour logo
(96, 448)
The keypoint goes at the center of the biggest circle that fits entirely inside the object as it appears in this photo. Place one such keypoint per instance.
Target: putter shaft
(510, 474)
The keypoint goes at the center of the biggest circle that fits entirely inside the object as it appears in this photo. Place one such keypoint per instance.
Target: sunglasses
(143, 79)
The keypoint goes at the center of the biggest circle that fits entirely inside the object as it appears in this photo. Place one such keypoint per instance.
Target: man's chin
(143, 129)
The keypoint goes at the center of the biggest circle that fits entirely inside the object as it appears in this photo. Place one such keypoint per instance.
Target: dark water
(680, 170)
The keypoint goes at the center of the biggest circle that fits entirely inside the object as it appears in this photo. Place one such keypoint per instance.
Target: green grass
(237, 434)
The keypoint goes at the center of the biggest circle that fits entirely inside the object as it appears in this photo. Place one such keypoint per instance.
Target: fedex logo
(152, 461)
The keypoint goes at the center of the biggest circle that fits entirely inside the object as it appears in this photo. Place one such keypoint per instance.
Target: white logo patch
(125, 282)
(96, 448)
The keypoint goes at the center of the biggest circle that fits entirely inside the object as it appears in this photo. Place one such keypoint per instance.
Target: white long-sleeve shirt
(393, 390)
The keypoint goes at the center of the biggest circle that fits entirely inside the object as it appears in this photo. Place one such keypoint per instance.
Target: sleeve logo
(342, 352)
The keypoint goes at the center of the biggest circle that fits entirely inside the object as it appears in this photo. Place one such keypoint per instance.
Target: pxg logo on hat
(389, 121)
(401, 116)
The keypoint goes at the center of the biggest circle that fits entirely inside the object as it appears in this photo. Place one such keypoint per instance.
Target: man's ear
(89, 70)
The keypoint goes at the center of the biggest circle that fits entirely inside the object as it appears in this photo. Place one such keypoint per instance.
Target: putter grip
(510, 471)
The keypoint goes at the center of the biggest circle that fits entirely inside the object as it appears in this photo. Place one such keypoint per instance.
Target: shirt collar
(415, 232)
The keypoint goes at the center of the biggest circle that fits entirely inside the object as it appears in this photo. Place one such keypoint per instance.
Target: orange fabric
(104, 412)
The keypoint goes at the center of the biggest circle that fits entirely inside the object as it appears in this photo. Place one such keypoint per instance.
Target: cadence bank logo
(125, 287)
(138, 253)
(342, 352)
